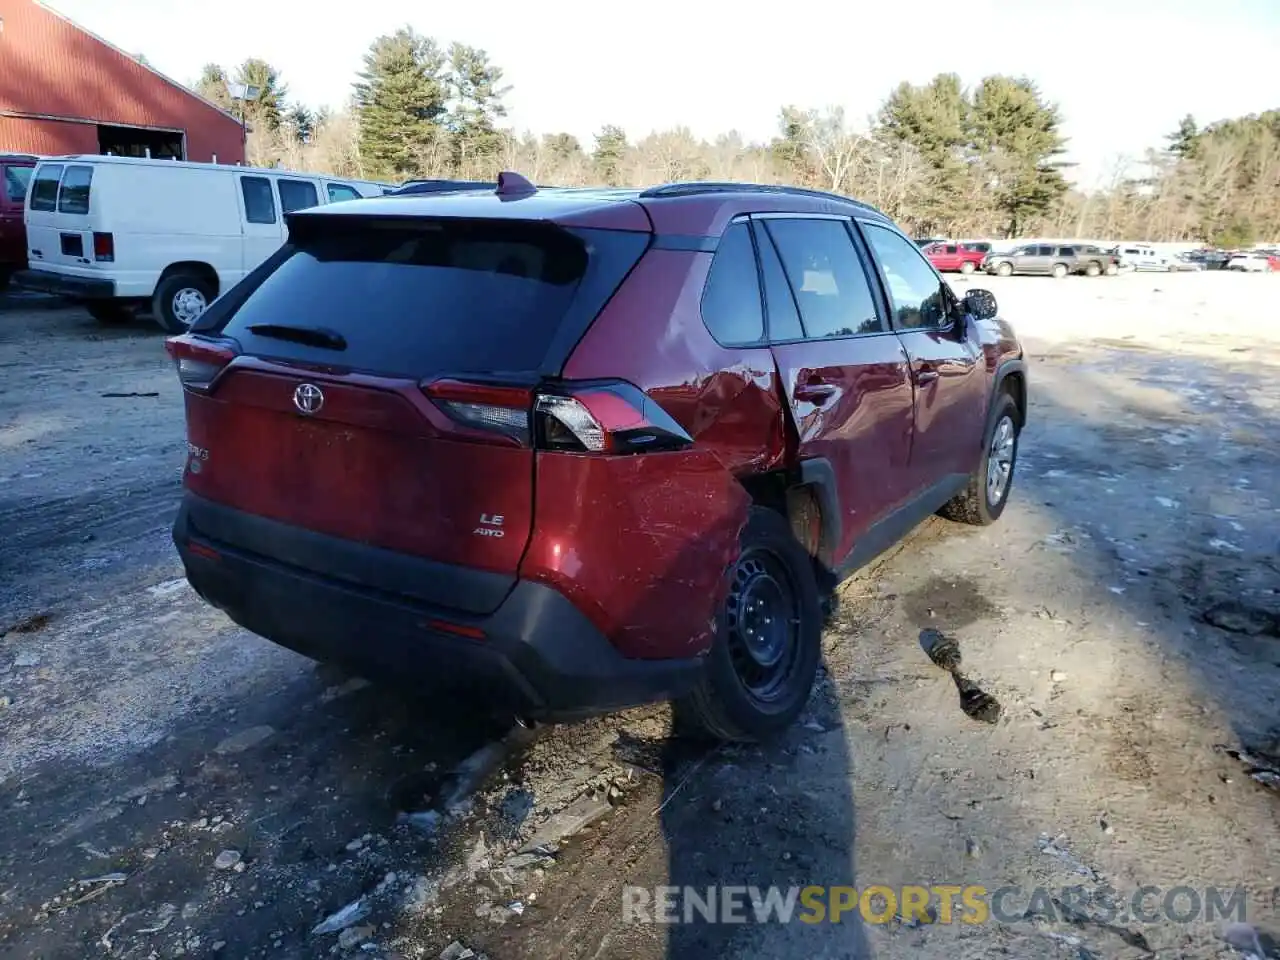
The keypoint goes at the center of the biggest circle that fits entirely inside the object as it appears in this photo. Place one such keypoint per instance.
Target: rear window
(16, 180)
(44, 192)
(73, 196)
(421, 298)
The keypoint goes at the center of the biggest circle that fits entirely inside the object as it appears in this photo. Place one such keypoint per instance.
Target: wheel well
(197, 269)
(1015, 386)
(784, 493)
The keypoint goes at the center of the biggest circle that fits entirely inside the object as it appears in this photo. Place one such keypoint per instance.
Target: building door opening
(136, 142)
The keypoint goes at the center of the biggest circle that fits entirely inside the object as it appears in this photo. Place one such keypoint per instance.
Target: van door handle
(815, 393)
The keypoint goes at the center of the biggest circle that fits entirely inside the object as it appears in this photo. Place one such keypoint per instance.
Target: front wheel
(761, 666)
(1004, 270)
(967, 267)
(984, 499)
(179, 300)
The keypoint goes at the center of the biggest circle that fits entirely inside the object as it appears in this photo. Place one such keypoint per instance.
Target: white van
(117, 233)
(1140, 256)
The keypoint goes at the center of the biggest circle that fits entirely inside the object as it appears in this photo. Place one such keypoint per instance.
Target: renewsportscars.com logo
(938, 903)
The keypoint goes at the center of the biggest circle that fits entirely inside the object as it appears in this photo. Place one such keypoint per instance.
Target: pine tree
(212, 85)
(1018, 136)
(265, 109)
(475, 95)
(400, 102)
(609, 153)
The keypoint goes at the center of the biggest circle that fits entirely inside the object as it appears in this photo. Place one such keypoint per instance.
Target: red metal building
(64, 90)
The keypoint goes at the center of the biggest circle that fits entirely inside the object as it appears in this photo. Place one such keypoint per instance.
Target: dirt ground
(173, 786)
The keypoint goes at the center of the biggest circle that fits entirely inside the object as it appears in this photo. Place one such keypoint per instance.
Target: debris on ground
(348, 916)
(944, 651)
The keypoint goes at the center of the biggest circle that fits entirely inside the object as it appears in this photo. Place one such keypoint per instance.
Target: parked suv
(584, 449)
(1056, 260)
(15, 175)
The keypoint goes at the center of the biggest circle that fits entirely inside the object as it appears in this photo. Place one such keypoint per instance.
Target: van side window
(297, 195)
(338, 192)
(259, 201)
(44, 193)
(73, 195)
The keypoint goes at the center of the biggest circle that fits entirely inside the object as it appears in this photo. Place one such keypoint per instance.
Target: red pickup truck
(15, 172)
(954, 257)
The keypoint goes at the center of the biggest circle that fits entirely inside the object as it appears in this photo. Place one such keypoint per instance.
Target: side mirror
(980, 304)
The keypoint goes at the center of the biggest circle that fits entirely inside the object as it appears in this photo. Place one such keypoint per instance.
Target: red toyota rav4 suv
(584, 449)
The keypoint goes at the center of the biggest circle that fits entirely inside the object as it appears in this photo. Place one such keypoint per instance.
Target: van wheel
(762, 664)
(180, 299)
(1111, 270)
(109, 311)
(1092, 270)
(1059, 270)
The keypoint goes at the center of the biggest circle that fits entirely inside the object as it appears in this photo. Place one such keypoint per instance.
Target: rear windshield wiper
(310, 336)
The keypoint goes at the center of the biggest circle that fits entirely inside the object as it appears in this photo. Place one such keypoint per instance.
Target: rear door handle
(815, 393)
(925, 376)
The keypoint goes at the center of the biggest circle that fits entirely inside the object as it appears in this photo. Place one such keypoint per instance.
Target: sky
(1123, 73)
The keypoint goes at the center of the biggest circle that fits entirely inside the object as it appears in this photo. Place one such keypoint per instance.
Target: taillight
(104, 247)
(608, 417)
(198, 360)
(486, 407)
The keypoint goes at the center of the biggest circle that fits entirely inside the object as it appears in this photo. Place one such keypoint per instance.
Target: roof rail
(693, 188)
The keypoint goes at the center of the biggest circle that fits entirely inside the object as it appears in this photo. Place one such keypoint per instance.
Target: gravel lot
(174, 786)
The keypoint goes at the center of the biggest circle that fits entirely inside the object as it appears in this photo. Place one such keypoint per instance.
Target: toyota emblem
(308, 398)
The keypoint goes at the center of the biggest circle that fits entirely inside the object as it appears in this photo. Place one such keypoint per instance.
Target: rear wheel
(984, 499)
(179, 300)
(1092, 269)
(109, 311)
(1059, 270)
(762, 664)
(1004, 270)
(967, 267)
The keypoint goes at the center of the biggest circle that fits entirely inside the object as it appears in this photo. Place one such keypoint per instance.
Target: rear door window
(826, 276)
(44, 192)
(297, 194)
(731, 305)
(780, 303)
(16, 180)
(436, 296)
(73, 195)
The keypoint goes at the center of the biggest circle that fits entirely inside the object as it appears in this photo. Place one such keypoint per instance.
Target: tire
(967, 267)
(1004, 269)
(1092, 269)
(176, 300)
(773, 569)
(1111, 270)
(975, 504)
(1059, 271)
(5, 276)
(109, 311)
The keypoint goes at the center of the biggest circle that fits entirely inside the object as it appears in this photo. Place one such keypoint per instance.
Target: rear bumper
(539, 655)
(66, 285)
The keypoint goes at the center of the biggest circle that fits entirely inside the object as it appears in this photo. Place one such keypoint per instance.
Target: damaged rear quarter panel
(640, 544)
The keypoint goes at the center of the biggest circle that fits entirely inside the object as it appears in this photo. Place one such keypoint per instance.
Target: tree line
(940, 158)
